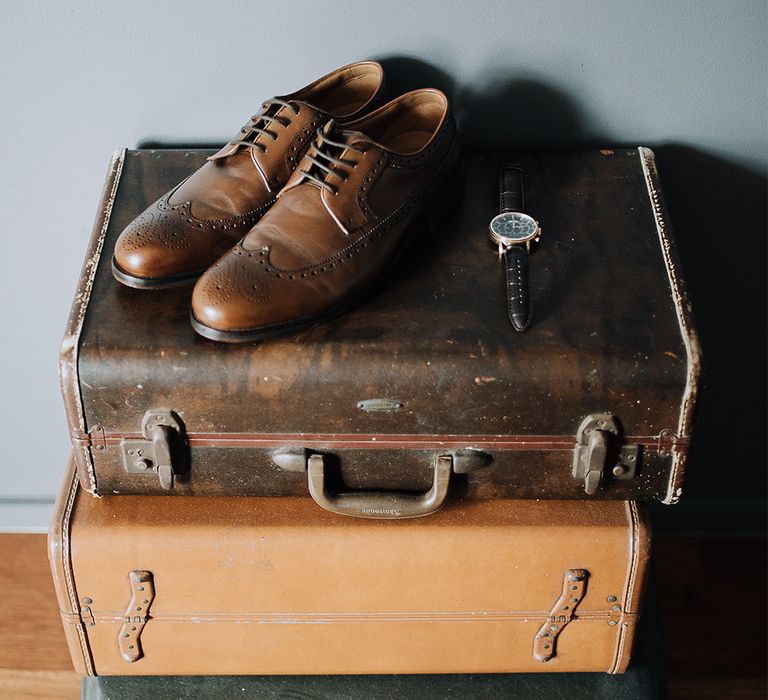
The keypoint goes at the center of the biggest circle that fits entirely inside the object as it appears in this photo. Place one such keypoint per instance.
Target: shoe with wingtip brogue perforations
(356, 199)
(185, 231)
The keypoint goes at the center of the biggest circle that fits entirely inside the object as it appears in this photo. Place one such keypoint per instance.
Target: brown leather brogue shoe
(190, 227)
(356, 199)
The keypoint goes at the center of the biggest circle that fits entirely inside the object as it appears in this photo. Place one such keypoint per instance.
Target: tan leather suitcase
(213, 585)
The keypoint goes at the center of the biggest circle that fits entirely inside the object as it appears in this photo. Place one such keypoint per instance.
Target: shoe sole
(446, 201)
(153, 282)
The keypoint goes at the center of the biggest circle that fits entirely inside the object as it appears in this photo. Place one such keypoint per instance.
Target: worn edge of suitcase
(69, 376)
(69, 370)
(684, 317)
(636, 579)
(60, 559)
(76, 616)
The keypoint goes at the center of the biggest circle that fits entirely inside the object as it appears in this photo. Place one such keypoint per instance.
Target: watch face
(513, 227)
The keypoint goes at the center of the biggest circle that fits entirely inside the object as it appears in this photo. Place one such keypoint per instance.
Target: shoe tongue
(336, 132)
(349, 137)
(342, 139)
(353, 137)
(303, 104)
(272, 108)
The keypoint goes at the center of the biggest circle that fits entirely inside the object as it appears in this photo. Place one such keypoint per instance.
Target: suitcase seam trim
(631, 508)
(620, 651)
(84, 292)
(67, 557)
(687, 332)
(635, 555)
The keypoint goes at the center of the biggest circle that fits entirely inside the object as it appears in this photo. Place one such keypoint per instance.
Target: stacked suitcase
(251, 509)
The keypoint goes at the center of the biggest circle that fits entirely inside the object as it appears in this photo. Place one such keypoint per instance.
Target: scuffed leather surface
(437, 339)
(266, 585)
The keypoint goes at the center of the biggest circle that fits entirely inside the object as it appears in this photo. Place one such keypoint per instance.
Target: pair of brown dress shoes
(301, 215)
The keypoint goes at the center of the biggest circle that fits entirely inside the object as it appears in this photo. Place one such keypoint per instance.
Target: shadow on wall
(718, 213)
(517, 113)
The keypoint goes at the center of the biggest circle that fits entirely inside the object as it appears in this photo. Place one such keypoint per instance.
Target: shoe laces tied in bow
(323, 156)
(260, 124)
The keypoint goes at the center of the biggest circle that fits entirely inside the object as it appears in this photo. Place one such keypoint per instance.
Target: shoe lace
(323, 161)
(261, 122)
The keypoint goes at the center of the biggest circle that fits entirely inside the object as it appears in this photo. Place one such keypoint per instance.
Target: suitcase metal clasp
(574, 590)
(598, 448)
(136, 615)
(158, 452)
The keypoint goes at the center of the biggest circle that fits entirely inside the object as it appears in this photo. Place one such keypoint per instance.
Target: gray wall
(81, 79)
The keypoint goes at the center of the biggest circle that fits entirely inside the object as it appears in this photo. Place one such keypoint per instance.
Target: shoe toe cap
(232, 295)
(161, 244)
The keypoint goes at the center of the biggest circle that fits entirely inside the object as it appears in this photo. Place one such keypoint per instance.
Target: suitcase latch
(600, 448)
(574, 590)
(160, 450)
(136, 615)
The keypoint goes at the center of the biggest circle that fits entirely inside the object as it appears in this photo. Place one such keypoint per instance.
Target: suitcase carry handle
(386, 505)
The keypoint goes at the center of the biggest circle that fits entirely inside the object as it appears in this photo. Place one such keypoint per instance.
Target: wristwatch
(513, 232)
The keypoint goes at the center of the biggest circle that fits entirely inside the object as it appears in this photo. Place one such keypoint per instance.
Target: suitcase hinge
(615, 613)
(136, 615)
(86, 614)
(97, 437)
(296, 459)
(667, 443)
(600, 448)
(574, 589)
(160, 450)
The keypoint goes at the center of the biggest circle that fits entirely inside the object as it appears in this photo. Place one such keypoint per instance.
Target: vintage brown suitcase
(196, 586)
(426, 388)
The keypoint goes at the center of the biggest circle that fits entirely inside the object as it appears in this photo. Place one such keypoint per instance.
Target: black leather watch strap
(518, 303)
(510, 188)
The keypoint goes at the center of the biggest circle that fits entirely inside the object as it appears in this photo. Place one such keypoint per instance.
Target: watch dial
(513, 226)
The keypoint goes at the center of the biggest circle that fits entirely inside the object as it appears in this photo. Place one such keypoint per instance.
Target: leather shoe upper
(339, 222)
(190, 227)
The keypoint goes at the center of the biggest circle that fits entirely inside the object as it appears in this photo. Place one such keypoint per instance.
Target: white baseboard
(25, 515)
